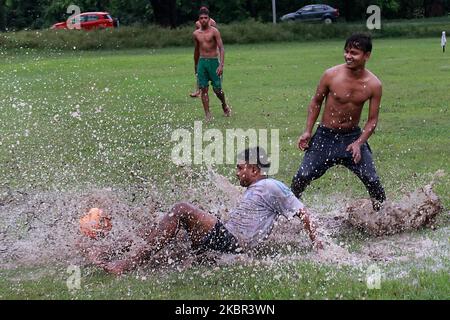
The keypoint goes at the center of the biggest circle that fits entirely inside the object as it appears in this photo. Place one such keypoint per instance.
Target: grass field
(77, 119)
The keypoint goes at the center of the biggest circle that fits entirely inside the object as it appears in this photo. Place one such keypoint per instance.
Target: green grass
(143, 97)
(303, 281)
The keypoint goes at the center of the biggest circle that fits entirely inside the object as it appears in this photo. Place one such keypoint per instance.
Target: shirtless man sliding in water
(250, 223)
(338, 138)
(207, 66)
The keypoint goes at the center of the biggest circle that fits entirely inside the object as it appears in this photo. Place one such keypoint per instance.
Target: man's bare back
(345, 96)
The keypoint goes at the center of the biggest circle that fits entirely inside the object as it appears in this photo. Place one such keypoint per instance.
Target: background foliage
(35, 14)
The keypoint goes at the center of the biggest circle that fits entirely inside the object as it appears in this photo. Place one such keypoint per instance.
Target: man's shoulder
(373, 78)
(336, 68)
(215, 30)
(273, 185)
(333, 71)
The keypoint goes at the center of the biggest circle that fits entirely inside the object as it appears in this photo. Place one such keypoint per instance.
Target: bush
(235, 33)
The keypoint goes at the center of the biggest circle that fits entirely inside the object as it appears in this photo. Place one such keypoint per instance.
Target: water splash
(41, 228)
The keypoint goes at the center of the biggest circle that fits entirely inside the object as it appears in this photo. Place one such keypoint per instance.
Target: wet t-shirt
(262, 203)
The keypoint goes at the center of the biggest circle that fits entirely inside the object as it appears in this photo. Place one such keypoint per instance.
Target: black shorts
(219, 239)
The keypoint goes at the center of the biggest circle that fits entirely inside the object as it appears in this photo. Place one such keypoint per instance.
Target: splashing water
(41, 228)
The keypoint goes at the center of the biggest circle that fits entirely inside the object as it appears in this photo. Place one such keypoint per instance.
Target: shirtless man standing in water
(338, 138)
(207, 66)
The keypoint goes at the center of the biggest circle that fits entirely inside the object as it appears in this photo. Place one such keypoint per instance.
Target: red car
(88, 21)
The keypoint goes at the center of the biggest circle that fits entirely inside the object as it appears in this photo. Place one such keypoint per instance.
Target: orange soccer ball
(95, 223)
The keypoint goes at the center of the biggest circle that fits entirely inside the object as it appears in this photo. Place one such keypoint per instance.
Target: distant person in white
(249, 223)
(443, 41)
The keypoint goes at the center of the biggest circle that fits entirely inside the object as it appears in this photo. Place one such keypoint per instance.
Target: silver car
(313, 12)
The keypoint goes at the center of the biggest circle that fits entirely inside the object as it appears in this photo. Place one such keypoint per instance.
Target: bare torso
(207, 41)
(346, 96)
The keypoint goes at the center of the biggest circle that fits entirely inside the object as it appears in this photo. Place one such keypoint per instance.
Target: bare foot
(195, 94)
(226, 110)
(208, 117)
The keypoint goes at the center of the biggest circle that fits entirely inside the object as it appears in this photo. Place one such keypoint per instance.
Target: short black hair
(361, 41)
(203, 10)
(255, 155)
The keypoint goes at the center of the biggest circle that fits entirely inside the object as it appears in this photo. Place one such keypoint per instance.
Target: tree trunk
(165, 12)
(434, 8)
(2, 15)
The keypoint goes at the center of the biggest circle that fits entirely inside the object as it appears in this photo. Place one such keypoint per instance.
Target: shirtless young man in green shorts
(212, 23)
(208, 41)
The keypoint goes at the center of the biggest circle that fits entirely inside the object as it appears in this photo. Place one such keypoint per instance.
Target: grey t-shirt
(252, 220)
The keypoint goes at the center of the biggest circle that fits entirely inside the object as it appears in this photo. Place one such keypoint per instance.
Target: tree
(25, 13)
(131, 12)
(2, 15)
(389, 8)
(165, 12)
(434, 8)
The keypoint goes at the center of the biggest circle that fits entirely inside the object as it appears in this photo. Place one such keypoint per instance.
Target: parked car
(88, 21)
(313, 12)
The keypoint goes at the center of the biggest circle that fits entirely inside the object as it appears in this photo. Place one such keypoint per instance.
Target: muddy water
(413, 211)
(41, 228)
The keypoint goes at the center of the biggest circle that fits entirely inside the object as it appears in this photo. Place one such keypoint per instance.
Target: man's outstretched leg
(221, 95)
(195, 221)
(365, 170)
(205, 102)
(319, 157)
(197, 91)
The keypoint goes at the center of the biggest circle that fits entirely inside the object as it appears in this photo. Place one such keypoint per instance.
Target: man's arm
(221, 51)
(196, 52)
(371, 124)
(314, 111)
(310, 227)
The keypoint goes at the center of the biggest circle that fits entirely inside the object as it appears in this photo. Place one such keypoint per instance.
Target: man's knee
(300, 181)
(304, 174)
(182, 208)
(218, 92)
(374, 186)
(368, 175)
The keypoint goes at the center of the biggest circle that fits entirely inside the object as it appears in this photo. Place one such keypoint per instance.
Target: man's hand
(219, 70)
(355, 149)
(303, 141)
(311, 228)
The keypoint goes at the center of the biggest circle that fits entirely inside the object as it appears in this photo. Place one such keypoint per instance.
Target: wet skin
(208, 43)
(346, 88)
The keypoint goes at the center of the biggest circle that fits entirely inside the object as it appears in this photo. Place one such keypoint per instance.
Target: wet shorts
(219, 239)
(206, 71)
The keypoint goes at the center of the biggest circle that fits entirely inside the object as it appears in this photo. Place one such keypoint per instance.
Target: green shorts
(206, 71)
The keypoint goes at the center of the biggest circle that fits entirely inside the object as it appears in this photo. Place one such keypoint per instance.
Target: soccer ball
(95, 223)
